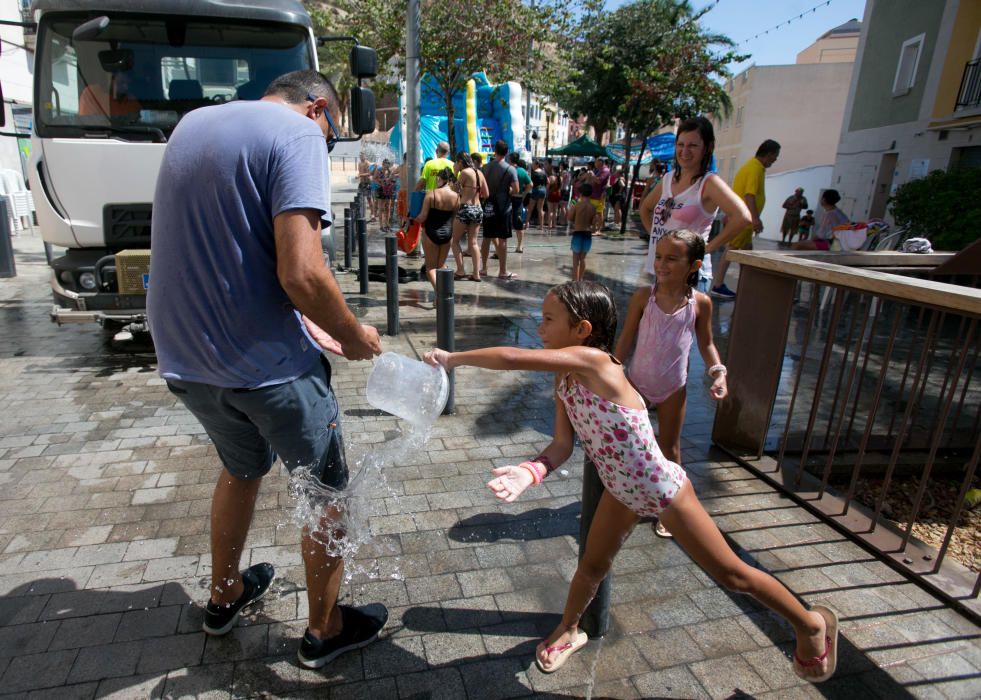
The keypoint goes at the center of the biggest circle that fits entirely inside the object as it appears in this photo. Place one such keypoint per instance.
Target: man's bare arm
(311, 286)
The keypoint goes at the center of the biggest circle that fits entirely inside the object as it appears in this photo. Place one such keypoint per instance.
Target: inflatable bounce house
(482, 114)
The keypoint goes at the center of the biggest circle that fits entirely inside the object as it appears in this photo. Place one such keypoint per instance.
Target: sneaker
(220, 618)
(722, 292)
(360, 628)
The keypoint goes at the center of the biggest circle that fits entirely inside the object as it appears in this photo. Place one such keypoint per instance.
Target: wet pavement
(105, 486)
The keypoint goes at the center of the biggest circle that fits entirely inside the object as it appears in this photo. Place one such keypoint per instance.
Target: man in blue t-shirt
(238, 296)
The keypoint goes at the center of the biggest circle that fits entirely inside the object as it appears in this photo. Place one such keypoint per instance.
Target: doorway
(883, 185)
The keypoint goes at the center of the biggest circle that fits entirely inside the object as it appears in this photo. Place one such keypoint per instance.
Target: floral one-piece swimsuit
(620, 442)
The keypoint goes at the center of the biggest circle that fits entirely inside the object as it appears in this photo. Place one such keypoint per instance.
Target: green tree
(645, 64)
(943, 206)
(507, 39)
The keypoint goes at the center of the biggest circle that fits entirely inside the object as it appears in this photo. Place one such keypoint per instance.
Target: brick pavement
(104, 504)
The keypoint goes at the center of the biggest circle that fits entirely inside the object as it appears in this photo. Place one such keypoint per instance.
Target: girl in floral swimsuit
(595, 401)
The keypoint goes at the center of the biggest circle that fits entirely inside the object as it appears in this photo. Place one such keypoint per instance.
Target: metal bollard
(8, 267)
(444, 324)
(360, 227)
(363, 260)
(392, 284)
(595, 621)
(348, 235)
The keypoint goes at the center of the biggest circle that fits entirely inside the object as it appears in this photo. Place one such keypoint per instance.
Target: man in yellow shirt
(436, 165)
(749, 184)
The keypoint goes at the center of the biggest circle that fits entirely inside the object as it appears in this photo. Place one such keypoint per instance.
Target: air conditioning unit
(133, 271)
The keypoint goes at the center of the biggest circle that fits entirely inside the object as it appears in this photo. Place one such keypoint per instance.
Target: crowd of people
(504, 197)
(240, 335)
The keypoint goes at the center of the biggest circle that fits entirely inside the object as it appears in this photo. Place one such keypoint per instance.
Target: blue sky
(742, 19)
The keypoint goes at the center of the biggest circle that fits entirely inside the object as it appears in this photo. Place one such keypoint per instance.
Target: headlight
(65, 276)
(87, 280)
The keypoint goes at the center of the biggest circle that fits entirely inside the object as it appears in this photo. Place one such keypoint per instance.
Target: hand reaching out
(509, 482)
(437, 358)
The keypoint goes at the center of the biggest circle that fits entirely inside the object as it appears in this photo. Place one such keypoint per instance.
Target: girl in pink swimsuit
(661, 322)
(595, 400)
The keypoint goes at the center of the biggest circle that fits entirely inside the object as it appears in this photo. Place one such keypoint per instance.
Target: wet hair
(477, 158)
(696, 250)
(705, 131)
(832, 197)
(295, 86)
(767, 148)
(465, 159)
(501, 148)
(590, 301)
(585, 189)
(447, 174)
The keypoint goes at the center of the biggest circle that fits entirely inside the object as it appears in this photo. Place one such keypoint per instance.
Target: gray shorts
(299, 421)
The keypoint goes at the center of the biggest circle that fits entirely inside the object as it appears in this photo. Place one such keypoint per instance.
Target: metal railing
(970, 92)
(852, 382)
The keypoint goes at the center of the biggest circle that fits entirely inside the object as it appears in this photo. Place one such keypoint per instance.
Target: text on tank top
(686, 212)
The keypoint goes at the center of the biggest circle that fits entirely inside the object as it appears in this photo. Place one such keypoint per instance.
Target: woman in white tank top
(689, 196)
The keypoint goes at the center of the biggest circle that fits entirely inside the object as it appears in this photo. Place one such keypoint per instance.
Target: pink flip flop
(830, 648)
(565, 651)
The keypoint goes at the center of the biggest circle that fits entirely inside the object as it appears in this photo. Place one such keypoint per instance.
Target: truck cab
(113, 78)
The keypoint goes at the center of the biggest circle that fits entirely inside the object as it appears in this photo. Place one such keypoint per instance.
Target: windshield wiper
(109, 130)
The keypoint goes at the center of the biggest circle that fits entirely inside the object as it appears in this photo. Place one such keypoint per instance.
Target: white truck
(112, 79)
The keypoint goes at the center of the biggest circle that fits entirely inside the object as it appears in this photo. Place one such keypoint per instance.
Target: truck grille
(127, 224)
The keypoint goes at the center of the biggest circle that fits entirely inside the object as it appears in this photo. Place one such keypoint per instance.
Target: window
(739, 116)
(909, 60)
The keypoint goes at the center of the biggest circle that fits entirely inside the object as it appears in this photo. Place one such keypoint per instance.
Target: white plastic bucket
(407, 388)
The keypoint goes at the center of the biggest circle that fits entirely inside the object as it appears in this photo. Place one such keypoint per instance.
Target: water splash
(377, 152)
(348, 530)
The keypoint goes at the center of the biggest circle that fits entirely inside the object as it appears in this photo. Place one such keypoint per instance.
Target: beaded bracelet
(537, 470)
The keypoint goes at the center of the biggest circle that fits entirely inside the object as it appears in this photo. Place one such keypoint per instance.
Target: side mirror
(362, 111)
(89, 31)
(363, 62)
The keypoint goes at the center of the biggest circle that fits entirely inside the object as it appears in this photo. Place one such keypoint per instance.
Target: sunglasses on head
(334, 134)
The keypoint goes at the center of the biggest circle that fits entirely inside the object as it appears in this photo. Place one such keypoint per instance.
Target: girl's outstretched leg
(670, 419)
(698, 535)
(611, 525)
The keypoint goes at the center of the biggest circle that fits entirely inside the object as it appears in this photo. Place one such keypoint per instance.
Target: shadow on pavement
(540, 523)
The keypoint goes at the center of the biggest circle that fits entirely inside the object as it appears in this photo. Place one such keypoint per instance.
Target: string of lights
(786, 22)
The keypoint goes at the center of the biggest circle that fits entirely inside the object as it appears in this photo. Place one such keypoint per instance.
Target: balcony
(970, 93)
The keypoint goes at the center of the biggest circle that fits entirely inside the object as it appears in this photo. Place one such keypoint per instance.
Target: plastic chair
(11, 187)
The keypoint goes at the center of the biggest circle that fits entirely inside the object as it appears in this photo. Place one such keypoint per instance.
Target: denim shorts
(299, 421)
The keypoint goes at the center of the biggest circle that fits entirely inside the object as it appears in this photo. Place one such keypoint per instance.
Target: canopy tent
(582, 146)
(618, 151)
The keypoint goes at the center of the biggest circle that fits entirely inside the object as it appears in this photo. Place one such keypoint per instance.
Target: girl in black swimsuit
(438, 209)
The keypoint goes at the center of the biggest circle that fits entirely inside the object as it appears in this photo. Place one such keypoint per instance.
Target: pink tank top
(687, 212)
(659, 366)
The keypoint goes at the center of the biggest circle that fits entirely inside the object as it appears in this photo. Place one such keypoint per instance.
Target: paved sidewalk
(105, 486)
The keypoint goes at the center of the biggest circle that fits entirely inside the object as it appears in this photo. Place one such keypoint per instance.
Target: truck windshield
(138, 76)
